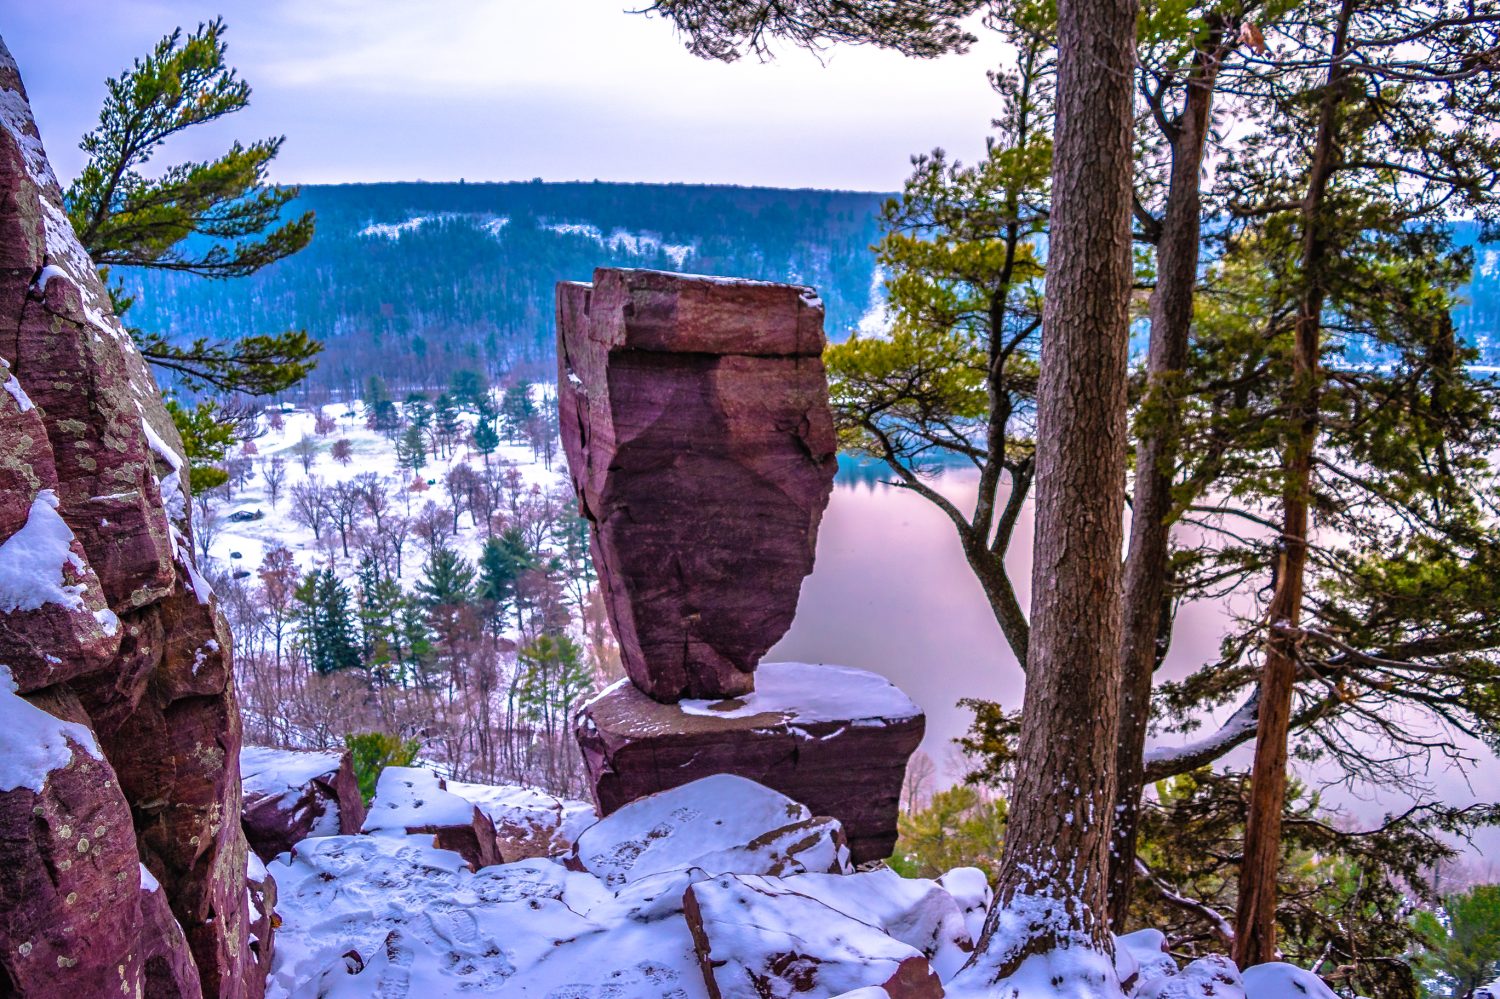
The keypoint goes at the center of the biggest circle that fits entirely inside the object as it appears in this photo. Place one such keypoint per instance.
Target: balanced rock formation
(291, 794)
(694, 413)
(833, 738)
(119, 767)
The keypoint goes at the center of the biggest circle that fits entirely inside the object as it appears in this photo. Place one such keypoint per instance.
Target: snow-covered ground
(242, 545)
(719, 888)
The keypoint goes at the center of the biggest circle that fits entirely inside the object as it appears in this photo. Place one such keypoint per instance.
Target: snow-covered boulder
(756, 937)
(528, 822)
(414, 800)
(1284, 981)
(361, 914)
(1142, 956)
(1211, 977)
(291, 794)
(915, 911)
(723, 824)
(970, 888)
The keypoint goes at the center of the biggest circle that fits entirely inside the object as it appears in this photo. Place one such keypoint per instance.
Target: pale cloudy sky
(513, 89)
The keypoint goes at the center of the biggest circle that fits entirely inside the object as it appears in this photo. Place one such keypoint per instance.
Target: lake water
(891, 593)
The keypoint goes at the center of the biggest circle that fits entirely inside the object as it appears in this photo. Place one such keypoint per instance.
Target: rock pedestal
(833, 738)
(694, 413)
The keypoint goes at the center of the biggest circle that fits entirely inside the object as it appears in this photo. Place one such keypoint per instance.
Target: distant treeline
(417, 280)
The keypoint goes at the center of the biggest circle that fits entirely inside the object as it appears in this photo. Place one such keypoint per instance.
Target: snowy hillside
(241, 544)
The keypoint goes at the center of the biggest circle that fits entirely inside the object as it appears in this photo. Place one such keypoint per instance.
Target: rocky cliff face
(122, 862)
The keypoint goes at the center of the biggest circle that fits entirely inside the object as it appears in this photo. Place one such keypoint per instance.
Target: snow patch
(34, 743)
(33, 559)
(801, 692)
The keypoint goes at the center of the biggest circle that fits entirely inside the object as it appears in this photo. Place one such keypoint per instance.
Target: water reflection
(891, 593)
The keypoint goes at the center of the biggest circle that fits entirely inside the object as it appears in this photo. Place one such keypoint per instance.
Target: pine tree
(516, 412)
(448, 580)
(470, 389)
(504, 559)
(411, 449)
(327, 625)
(1461, 945)
(486, 440)
(218, 218)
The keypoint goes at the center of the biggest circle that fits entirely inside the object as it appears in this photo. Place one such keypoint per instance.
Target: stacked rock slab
(695, 418)
(122, 867)
(694, 414)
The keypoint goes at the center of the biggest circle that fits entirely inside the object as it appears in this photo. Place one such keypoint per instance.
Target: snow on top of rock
(13, 386)
(1144, 954)
(758, 934)
(722, 823)
(34, 743)
(417, 915)
(414, 798)
(915, 911)
(802, 692)
(1211, 977)
(539, 823)
(149, 882)
(33, 559)
(278, 772)
(970, 888)
(1283, 981)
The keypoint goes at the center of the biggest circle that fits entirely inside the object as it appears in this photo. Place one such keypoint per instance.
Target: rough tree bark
(1146, 566)
(1255, 919)
(1052, 888)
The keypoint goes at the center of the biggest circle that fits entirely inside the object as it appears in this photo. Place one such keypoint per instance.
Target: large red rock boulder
(291, 794)
(694, 414)
(107, 626)
(835, 739)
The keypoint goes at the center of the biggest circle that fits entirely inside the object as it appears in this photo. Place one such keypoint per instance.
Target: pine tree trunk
(1255, 919)
(1147, 565)
(1054, 865)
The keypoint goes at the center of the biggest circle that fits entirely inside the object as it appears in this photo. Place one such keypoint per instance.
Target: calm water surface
(891, 593)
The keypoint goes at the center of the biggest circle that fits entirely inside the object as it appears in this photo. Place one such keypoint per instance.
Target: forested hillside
(414, 279)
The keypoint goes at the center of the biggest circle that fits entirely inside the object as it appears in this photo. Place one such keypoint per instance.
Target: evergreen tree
(411, 449)
(448, 580)
(553, 677)
(1460, 945)
(469, 388)
(956, 376)
(446, 423)
(504, 559)
(486, 440)
(327, 625)
(217, 218)
(516, 411)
